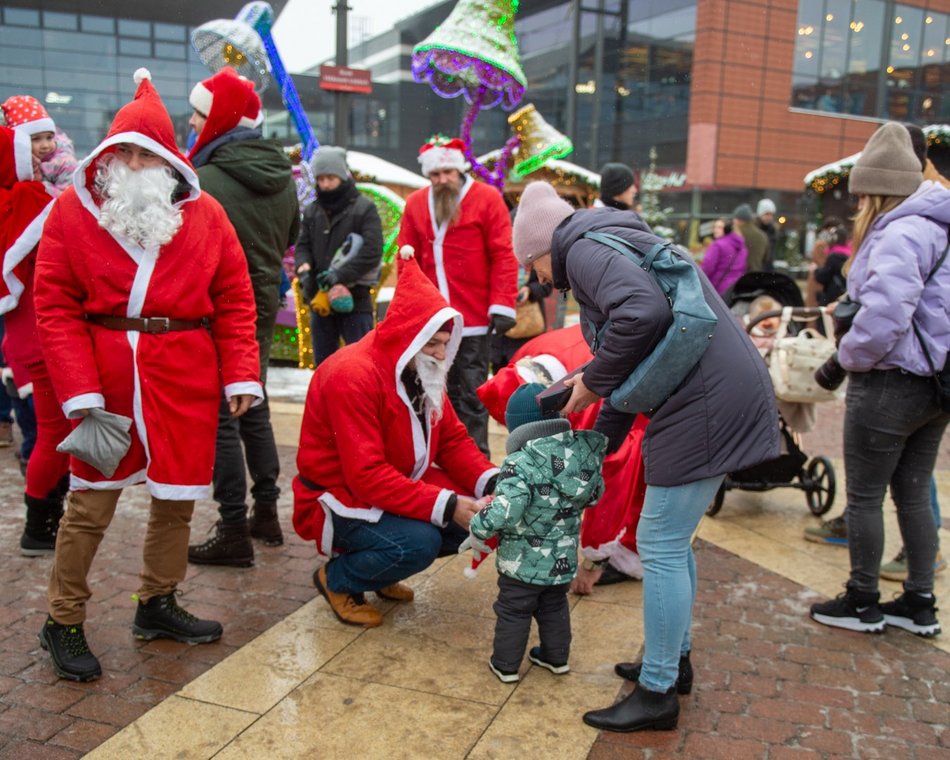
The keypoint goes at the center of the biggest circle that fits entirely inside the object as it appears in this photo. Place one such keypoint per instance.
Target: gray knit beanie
(887, 165)
(540, 212)
(743, 213)
(329, 159)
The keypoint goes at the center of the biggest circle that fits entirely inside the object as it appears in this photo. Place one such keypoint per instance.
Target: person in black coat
(721, 418)
(339, 212)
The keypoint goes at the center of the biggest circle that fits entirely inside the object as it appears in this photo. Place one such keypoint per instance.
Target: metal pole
(620, 81)
(342, 99)
(570, 117)
(598, 87)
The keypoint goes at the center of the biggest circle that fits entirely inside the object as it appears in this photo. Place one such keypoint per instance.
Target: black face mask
(614, 203)
(333, 201)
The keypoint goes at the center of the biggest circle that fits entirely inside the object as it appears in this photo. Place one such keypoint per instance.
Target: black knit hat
(615, 179)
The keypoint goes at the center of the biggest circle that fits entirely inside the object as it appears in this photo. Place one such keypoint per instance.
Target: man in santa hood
(24, 206)
(145, 309)
(387, 472)
(461, 232)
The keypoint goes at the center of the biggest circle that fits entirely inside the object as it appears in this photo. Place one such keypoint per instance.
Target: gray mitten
(101, 440)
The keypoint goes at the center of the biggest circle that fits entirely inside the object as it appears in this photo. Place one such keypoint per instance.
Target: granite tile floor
(289, 681)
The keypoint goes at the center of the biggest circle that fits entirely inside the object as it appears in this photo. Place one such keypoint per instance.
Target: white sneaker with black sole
(852, 610)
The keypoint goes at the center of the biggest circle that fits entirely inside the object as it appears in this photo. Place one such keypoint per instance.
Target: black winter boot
(42, 522)
(641, 710)
(264, 523)
(161, 618)
(230, 545)
(684, 680)
(69, 650)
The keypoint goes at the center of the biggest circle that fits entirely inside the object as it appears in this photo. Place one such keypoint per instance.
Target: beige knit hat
(887, 165)
(540, 212)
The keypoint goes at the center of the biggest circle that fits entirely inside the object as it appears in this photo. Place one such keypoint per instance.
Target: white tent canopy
(383, 172)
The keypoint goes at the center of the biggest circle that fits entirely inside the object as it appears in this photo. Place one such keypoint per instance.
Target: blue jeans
(376, 555)
(892, 432)
(669, 519)
(26, 421)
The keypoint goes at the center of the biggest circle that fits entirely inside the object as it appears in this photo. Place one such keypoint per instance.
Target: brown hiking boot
(230, 545)
(397, 592)
(352, 609)
(264, 524)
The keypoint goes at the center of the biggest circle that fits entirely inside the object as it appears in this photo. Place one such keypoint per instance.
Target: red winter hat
(227, 100)
(144, 122)
(441, 152)
(16, 157)
(26, 113)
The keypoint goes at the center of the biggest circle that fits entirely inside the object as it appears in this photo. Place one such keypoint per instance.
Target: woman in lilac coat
(893, 424)
(725, 259)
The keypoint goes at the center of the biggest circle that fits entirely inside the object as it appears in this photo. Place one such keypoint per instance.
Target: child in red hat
(54, 158)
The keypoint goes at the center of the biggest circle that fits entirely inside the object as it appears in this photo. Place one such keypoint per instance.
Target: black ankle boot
(684, 679)
(161, 618)
(42, 522)
(641, 710)
(70, 652)
(230, 545)
(264, 523)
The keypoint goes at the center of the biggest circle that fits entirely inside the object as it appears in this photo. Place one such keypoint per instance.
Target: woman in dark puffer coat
(720, 419)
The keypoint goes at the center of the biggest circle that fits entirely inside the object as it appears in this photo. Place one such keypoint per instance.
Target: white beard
(137, 204)
(432, 374)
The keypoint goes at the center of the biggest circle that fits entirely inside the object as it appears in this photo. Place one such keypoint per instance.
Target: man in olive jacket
(251, 178)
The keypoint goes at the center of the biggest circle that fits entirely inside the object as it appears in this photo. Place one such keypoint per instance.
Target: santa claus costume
(151, 333)
(470, 260)
(24, 207)
(366, 450)
(609, 532)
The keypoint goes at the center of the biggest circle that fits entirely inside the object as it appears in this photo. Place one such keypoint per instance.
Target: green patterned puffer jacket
(536, 512)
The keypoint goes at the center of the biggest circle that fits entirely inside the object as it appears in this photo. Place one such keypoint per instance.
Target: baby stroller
(792, 468)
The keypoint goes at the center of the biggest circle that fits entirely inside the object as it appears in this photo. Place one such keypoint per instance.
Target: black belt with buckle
(152, 325)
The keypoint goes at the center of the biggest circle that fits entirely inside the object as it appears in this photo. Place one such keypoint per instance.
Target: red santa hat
(26, 113)
(16, 157)
(227, 100)
(440, 152)
(144, 122)
(480, 552)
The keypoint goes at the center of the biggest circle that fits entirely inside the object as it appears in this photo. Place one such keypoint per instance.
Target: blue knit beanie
(523, 407)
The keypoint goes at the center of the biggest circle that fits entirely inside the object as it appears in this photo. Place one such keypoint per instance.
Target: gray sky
(305, 32)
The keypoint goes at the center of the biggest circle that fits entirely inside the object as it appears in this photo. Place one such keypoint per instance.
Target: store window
(872, 58)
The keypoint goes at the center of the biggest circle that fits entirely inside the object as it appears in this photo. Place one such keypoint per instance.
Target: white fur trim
(407, 252)
(624, 560)
(468, 332)
(372, 514)
(470, 572)
(505, 311)
(141, 74)
(23, 155)
(438, 509)
(35, 127)
(78, 484)
(552, 364)
(442, 158)
(171, 492)
(15, 254)
(83, 401)
(483, 481)
(200, 99)
(25, 391)
(249, 388)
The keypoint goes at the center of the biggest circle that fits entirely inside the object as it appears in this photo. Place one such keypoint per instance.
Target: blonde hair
(875, 206)
(761, 304)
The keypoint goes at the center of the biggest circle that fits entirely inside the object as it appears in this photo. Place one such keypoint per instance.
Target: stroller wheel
(820, 485)
(713, 509)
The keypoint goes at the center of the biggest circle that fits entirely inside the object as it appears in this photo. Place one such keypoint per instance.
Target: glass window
(134, 28)
(18, 37)
(78, 41)
(805, 89)
(170, 32)
(60, 20)
(11, 56)
(169, 50)
(135, 47)
(98, 24)
(94, 62)
(21, 17)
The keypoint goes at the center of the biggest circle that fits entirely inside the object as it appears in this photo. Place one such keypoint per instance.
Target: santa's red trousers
(46, 466)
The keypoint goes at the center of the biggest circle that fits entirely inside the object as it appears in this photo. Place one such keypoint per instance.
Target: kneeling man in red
(388, 478)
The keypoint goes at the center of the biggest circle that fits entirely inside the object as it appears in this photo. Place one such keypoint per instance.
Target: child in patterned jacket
(54, 158)
(551, 474)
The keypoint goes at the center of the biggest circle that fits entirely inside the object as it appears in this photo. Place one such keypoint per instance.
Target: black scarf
(334, 201)
(613, 203)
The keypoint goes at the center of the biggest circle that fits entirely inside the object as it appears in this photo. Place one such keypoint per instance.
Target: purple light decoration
(494, 178)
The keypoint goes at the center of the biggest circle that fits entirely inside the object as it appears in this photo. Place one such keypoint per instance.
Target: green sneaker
(834, 531)
(896, 569)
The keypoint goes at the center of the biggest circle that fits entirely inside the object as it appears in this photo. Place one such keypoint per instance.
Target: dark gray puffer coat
(722, 418)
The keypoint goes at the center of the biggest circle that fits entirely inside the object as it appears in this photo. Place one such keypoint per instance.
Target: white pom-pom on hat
(140, 74)
(407, 252)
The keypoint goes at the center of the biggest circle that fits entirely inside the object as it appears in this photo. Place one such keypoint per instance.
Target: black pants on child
(517, 603)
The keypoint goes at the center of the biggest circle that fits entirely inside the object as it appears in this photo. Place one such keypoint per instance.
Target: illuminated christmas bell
(234, 43)
(540, 142)
(474, 52)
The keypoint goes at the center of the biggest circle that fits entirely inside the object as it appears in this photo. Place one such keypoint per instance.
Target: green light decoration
(539, 142)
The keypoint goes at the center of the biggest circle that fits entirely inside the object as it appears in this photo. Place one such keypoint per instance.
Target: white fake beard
(432, 374)
(137, 204)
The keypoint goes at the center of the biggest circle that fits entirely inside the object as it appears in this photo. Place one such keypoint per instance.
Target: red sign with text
(345, 79)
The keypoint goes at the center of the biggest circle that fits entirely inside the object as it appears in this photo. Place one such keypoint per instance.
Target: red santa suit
(471, 261)
(609, 531)
(363, 449)
(168, 383)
